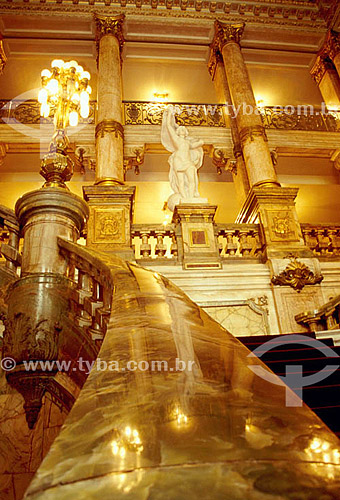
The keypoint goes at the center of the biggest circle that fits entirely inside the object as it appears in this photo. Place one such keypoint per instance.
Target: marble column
(109, 129)
(110, 200)
(328, 81)
(219, 77)
(252, 135)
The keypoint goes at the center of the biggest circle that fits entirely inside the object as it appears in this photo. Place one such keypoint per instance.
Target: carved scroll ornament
(296, 275)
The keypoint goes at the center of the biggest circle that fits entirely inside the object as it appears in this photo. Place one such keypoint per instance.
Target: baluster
(311, 240)
(95, 302)
(160, 248)
(231, 246)
(83, 291)
(334, 235)
(174, 247)
(145, 248)
(323, 241)
(221, 242)
(245, 245)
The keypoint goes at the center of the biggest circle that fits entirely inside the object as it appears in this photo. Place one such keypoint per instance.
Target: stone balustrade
(238, 240)
(9, 238)
(322, 239)
(92, 293)
(327, 317)
(156, 241)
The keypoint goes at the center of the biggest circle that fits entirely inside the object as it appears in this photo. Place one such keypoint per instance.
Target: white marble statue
(186, 159)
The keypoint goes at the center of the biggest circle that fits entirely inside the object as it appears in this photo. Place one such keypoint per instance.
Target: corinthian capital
(110, 25)
(331, 47)
(226, 33)
(321, 66)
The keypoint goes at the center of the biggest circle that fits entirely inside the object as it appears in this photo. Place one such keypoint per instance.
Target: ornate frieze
(296, 275)
(221, 159)
(110, 25)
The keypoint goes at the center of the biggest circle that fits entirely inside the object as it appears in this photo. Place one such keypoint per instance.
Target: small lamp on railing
(65, 93)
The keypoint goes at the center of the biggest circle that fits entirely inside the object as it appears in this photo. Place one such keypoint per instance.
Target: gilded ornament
(281, 226)
(296, 275)
(331, 47)
(110, 25)
(3, 58)
(252, 132)
(227, 33)
(321, 66)
(108, 127)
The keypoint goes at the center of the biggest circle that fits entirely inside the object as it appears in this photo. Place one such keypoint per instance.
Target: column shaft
(251, 131)
(109, 129)
(240, 176)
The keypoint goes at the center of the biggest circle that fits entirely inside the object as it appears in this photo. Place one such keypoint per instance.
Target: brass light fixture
(65, 93)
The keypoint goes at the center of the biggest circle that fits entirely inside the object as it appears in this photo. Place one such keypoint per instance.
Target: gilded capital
(320, 67)
(110, 25)
(227, 33)
(331, 46)
(3, 58)
(214, 58)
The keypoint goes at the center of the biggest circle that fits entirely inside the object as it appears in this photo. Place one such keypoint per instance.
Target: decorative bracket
(221, 160)
(134, 160)
(296, 275)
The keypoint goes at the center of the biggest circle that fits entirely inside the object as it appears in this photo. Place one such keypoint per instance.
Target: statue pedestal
(109, 227)
(198, 248)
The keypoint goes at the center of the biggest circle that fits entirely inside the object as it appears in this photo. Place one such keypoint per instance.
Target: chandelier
(65, 93)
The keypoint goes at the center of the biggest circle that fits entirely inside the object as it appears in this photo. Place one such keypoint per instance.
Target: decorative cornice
(320, 67)
(296, 275)
(108, 127)
(292, 13)
(110, 25)
(3, 58)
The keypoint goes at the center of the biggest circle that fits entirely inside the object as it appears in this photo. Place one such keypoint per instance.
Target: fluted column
(249, 123)
(218, 75)
(109, 129)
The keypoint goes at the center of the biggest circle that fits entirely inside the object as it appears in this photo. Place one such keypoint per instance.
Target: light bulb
(80, 69)
(89, 89)
(42, 96)
(84, 98)
(67, 65)
(84, 110)
(52, 86)
(45, 110)
(57, 63)
(46, 72)
(85, 75)
(73, 119)
(75, 98)
(73, 64)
